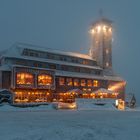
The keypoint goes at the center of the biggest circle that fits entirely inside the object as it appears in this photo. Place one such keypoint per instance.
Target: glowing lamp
(116, 102)
(110, 29)
(92, 31)
(99, 28)
(104, 28)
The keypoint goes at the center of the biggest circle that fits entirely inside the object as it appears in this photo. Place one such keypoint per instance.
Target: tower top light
(101, 25)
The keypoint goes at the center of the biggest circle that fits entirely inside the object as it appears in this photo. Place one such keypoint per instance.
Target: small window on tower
(107, 64)
(107, 51)
(110, 29)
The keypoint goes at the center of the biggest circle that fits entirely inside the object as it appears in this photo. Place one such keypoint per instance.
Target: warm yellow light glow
(92, 95)
(61, 81)
(44, 79)
(29, 96)
(92, 31)
(120, 104)
(89, 89)
(76, 82)
(83, 82)
(89, 83)
(110, 29)
(116, 86)
(104, 28)
(24, 78)
(84, 89)
(69, 81)
(99, 28)
(107, 64)
(95, 83)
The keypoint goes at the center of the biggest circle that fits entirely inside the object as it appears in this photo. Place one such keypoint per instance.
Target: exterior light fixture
(92, 31)
(104, 28)
(110, 29)
(98, 28)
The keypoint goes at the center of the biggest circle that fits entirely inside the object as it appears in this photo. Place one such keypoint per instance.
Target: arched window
(44, 79)
(23, 78)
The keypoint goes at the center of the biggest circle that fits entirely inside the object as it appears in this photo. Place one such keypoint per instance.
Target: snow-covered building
(36, 74)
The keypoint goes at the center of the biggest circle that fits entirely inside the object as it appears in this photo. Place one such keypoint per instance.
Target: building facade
(36, 75)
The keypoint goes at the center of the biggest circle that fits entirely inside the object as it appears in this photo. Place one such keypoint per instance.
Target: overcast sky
(64, 25)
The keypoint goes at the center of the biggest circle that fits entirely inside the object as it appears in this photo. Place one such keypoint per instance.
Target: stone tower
(101, 46)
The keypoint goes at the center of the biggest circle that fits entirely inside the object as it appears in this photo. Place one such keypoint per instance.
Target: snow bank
(7, 107)
(82, 104)
(92, 104)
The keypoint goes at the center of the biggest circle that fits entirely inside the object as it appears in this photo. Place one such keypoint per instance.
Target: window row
(78, 82)
(26, 96)
(29, 79)
(56, 66)
(47, 55)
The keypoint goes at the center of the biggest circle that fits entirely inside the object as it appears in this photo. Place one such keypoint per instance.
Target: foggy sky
(64, 25)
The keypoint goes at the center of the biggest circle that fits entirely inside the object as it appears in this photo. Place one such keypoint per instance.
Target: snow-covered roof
(18, 48)
(103, 90)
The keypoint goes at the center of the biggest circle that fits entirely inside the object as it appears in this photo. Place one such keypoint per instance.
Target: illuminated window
(85, 62)
(104, 28)
(24, 79)
(107, 64)
(84, 89)
(92, 31)
(61, 81)
(89, 89)
(83, 82)
(107, 51)
(89, 83)
(110, 29)
(76, 82)
(69, 81)
(45, 79)
(98, 28)
(25, 96)
(95, 83)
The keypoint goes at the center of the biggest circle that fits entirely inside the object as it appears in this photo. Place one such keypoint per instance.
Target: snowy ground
(45, 123)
